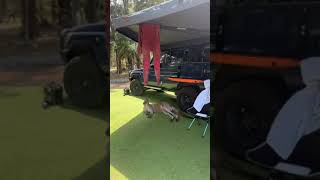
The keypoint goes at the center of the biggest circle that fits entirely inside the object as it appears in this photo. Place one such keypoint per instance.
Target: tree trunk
(118, 61)
(76, 12)
(138, 63)
(126, 6)
(54, 13)
(65, 13)
(91, 10)
(130, 64)
(3, 9)
(43, 20)
(29, 20)
(107, 21)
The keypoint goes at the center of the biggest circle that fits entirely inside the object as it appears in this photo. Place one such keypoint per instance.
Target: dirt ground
(31, 76)
(119, 85)
(119, 81)
(28, 64)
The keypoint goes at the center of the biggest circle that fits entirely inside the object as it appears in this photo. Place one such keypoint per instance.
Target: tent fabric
(203, 98)
(149, 41)
(300, 116)
(180, 20)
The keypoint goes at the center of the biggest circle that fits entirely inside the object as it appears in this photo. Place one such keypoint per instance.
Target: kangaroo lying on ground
(167, 109)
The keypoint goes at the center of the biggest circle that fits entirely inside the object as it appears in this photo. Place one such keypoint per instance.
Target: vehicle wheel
(186, 97)
(244, 114)
(136, 87)
(85, 83)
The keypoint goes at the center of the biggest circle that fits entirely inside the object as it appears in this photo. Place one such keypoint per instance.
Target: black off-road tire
(186, 97)
(244, 114)
(85, 83)
(136, 88)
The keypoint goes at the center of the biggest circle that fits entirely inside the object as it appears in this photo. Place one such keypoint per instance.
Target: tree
(3, 9)
(76, 12)
(29, 20)
(143, 4)
(65, 13)
(41, 13)
(107, 21)
(54, 10)
(117, 41)
(91, 10)
(125, 7)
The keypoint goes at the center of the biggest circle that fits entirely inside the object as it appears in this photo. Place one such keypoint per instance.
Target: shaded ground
(12, 43)
(28, 64)
(143, 148)
(31, 76)
(59, 143)
(120, 85)
(65, 142)
(119, 81)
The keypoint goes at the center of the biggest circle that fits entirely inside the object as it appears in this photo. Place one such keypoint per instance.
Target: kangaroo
(161, 107)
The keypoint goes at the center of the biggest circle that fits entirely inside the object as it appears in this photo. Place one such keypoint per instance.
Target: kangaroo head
(146, 101)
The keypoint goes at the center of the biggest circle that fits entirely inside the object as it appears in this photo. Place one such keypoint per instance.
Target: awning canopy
(181, 21)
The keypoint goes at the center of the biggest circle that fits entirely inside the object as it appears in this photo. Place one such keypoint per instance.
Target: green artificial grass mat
(154, 148)
(60, 143)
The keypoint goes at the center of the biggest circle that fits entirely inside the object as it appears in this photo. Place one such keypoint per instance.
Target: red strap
(184, 80)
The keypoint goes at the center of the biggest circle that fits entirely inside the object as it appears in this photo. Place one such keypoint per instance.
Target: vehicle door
(196, 63)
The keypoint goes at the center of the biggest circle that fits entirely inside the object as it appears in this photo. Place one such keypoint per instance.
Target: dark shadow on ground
(99, 171)
(99, 113)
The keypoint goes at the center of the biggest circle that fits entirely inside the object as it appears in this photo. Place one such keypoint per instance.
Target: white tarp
(204, 97)
(300, 116)
(180, 20)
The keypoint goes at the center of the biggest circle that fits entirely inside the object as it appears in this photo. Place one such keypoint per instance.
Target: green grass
(60, 143)
(143, 148)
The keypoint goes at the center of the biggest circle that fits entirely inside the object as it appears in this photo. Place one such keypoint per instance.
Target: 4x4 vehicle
(184, 41)
(185, 63)
(83, 49)
(257, 47)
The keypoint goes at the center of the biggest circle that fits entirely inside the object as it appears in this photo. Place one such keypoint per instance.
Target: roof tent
(181, 22)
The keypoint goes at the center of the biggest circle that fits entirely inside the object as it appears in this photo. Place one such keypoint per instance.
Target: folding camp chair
(198, 117)
(199, 106)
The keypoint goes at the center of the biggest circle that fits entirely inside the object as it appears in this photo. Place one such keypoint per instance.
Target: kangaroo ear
(145, 101)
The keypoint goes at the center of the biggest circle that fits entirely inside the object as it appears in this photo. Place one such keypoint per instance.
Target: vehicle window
(262, 31)
(174, 58)
(205, 54)
(164, 56)
(185, 55)
(195, 54)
